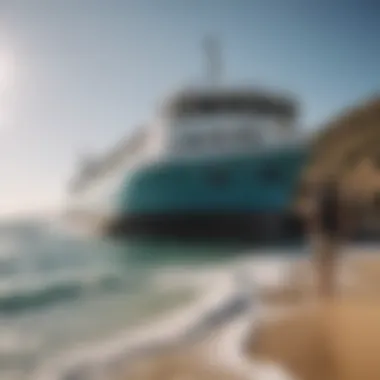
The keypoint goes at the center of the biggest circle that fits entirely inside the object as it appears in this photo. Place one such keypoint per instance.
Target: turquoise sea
(60, 292)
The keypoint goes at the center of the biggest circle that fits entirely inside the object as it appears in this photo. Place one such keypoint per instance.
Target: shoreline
(218, 325)
(226, 300)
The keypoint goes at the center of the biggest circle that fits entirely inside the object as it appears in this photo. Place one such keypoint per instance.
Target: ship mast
(213, 61)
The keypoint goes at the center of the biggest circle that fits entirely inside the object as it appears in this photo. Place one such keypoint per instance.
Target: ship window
(207, 107)
(233, 103)
(244, 135)
(270, 174)
(218, 177)
(216, 138)
(248, 136)
(192, 141)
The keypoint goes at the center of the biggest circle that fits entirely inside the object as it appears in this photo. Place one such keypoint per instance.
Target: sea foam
(229, 302)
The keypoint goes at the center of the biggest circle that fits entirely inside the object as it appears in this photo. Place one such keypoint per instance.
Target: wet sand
(337, 340)
(185, 364)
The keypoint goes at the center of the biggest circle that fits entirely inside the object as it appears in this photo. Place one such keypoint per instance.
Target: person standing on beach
(329, 224)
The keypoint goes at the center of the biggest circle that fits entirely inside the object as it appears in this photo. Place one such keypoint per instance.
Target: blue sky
(75, 75)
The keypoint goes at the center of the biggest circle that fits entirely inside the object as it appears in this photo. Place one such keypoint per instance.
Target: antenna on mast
(213, 60)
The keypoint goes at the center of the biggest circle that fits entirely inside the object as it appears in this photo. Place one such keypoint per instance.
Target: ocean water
(60, 293)
(66, 299)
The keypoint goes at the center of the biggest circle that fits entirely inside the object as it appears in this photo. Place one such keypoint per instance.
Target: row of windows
(217, 139)
(233, 105)
(268, 175)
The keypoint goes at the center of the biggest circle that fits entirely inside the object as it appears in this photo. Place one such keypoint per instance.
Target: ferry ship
(216, 162)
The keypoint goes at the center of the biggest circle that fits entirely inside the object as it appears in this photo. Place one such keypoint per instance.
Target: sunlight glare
(2, 117)
(6, 72)
(6, 84)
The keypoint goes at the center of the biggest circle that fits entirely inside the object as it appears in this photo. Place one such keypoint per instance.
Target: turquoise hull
(249, 183)
(240, 188)
(243, 194)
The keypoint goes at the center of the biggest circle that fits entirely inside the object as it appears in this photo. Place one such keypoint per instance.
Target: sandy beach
(335, 340)
(338, 340)
(187, 363)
